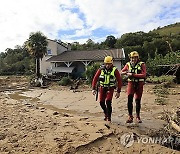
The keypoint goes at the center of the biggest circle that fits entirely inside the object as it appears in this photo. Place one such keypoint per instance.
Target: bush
(157, 65)
(90, 72)
(65, 81)
(161, 79)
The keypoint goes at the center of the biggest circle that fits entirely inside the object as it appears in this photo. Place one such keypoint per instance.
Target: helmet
(134, 54)
(108, 59)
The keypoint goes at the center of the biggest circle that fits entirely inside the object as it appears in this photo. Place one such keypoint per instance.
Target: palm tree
(37, 47)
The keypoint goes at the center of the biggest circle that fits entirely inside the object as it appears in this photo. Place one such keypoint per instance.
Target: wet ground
(58, 120)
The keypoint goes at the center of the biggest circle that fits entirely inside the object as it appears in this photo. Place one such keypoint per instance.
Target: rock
(34, 127)
(40, 108)
(66, 115)
(55, 113)
(2, 136)
(83, 119)
(15, 145)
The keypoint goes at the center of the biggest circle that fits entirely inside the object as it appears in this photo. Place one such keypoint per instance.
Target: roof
(60, 43)
(63, 69)
(93, 55)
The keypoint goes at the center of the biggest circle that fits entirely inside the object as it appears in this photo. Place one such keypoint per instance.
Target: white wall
(44, 65)
(117, 64)
(60, 49)
(55, 48)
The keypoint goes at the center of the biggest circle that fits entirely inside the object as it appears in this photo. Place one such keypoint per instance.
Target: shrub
(155, 65)
(161, 79)
(90, 72)
(65, 81)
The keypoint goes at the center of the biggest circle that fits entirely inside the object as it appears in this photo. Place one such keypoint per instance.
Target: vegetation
(37, 47)
(65, 81)
(160, 41)
(155, 65)
(173, 29)
(16, 62)
(157, 47)
(164, 78)
(90, 72)
(161, 65)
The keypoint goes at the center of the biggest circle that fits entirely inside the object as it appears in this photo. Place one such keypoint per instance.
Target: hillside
(173, 29)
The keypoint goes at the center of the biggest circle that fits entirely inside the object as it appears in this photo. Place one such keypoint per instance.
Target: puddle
(18, 95)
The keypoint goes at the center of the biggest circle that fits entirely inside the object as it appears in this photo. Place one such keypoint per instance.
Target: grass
(173, 29)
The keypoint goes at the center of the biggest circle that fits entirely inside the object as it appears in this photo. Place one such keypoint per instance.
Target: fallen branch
(174, 125)
(171, 122)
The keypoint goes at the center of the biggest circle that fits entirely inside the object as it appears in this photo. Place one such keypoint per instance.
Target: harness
(107, 77)
(135, 69)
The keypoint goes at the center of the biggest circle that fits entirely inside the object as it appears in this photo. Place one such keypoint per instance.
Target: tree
(90, 44)
(37, 47)
(153, 64)
(110, 41)
(91, 70)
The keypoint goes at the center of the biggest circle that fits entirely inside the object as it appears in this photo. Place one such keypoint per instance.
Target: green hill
(173, 29)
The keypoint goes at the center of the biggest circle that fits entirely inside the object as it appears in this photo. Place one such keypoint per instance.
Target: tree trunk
(38, 67)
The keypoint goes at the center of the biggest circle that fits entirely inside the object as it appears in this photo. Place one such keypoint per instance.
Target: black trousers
(107, 108)
(130, 105)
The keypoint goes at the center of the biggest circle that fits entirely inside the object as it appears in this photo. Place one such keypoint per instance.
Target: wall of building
(118, 64)
(44, 65)
(54, 48)
(60, 48)
(79, 68)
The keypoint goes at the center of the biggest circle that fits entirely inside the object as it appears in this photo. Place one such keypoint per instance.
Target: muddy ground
(58, 120)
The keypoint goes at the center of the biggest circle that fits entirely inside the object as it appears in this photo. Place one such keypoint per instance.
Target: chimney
(69, 47)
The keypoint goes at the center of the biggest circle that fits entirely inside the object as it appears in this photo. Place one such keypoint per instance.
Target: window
(49, 52)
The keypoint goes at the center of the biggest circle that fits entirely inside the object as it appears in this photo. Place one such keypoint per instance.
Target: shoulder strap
(140, 63)
(102, 67)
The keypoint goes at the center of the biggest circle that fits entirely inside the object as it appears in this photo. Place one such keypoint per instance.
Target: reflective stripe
(136, 80)
(107, 78)
(136, 70)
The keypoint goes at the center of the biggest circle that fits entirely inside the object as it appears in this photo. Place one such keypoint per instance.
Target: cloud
(83, 18)
(18, 18)
(126, 16)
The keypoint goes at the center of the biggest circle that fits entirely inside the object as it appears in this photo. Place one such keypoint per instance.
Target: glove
(94, 92)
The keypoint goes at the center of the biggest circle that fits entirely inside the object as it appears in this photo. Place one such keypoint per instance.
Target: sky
(80, 20)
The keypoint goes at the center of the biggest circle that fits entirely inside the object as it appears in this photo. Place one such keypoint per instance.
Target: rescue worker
(136, 72)
(107, 76)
